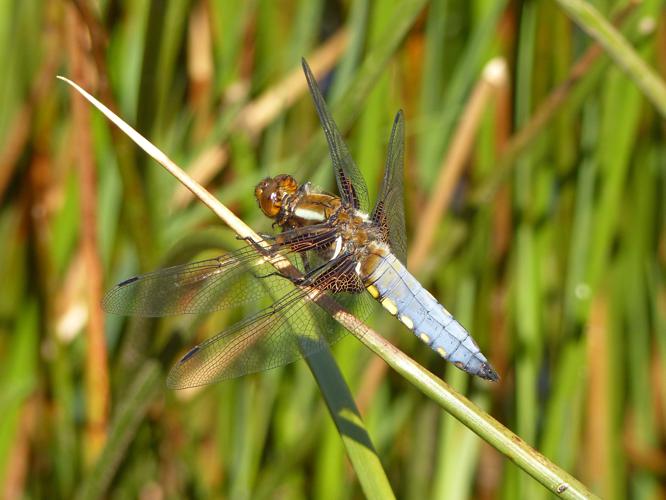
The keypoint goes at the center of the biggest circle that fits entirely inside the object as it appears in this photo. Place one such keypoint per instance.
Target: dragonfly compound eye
(266, 194)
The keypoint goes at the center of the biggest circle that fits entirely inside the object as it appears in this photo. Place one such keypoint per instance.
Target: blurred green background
(546, 174)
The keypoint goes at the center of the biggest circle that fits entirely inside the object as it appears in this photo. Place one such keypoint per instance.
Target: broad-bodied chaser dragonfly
(341, 248)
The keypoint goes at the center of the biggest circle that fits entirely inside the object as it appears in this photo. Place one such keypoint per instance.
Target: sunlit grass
(551, 250)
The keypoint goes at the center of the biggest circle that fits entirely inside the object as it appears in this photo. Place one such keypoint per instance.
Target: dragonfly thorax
(293, 206)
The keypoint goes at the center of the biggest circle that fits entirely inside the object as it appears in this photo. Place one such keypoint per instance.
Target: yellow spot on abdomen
(372, 289)
(390, 306)
(407, 321)
(441, 352)
(425, 338)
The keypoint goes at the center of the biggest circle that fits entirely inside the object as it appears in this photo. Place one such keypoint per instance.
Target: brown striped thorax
(292, 206)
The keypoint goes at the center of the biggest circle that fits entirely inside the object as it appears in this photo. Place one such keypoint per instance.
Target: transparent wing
(350, 181)
(229, 280)
(389, 211)
(292, 328)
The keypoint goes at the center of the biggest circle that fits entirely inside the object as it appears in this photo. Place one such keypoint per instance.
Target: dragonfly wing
(280, 334)
(389, 211)
(227, 281)
(292, 328)
(350, 181)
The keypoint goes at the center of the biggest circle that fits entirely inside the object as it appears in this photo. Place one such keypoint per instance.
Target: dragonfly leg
(259, 248)
(308, 279)
(295, 281)
(250, 241)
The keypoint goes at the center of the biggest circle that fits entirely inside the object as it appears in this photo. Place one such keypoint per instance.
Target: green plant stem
(582, 79)
(595, 25)
(347, 418)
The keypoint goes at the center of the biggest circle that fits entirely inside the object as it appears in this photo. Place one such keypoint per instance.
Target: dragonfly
(338, 245)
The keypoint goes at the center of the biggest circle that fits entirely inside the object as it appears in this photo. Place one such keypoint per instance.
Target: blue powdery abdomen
(404, 297)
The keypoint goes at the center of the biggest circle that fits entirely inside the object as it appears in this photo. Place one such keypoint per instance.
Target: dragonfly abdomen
(402, 295)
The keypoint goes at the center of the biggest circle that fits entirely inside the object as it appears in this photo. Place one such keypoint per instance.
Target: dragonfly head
(271, 193)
